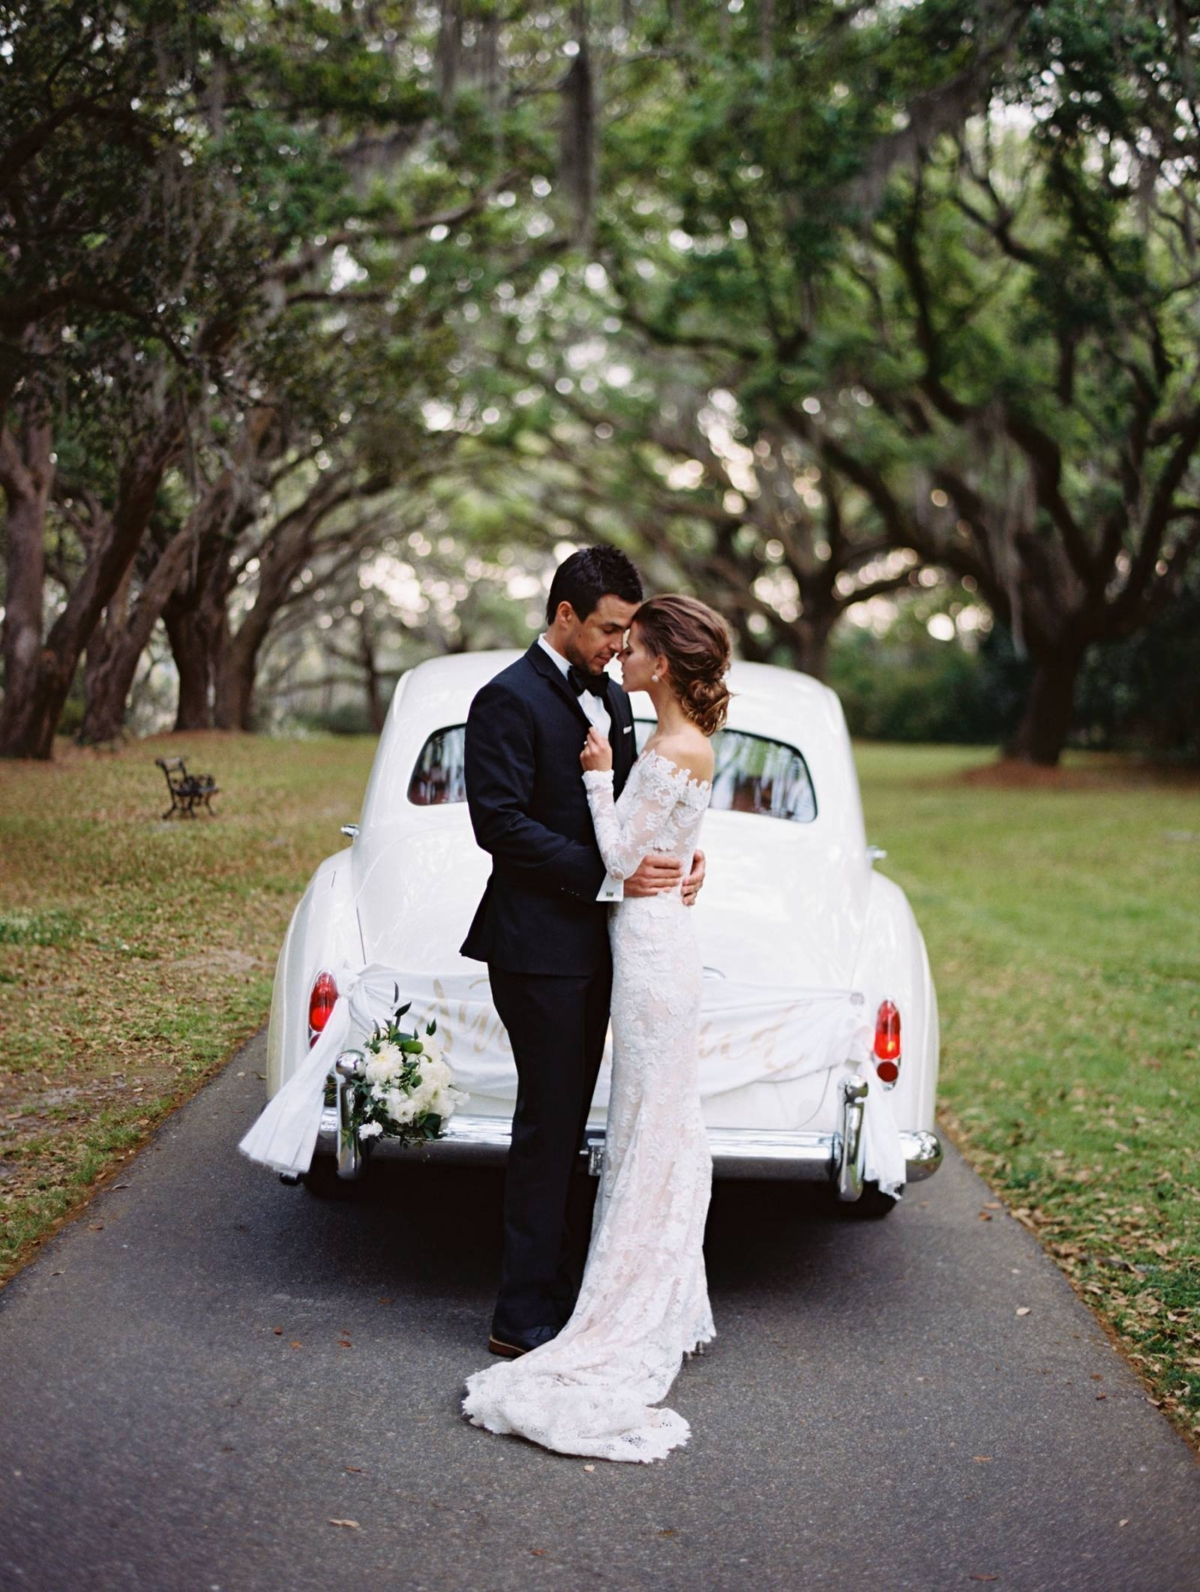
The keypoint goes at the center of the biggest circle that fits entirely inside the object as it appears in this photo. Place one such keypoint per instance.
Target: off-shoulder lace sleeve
(626, 831)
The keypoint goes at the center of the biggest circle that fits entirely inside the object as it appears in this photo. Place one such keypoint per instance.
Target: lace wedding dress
(644, 1300)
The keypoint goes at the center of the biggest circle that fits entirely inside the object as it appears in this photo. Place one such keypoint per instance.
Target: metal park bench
(188, 791)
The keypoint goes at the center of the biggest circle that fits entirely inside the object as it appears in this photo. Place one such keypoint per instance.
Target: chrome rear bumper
(736, 1152)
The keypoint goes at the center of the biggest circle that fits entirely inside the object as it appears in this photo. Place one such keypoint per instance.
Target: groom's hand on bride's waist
(657, 872)
(691, 885)
(654, 874)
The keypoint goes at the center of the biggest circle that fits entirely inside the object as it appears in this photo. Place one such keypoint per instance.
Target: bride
(643, 1304)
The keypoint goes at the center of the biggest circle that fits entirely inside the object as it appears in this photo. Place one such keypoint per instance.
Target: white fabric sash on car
(285, 1134)
(748, 1034)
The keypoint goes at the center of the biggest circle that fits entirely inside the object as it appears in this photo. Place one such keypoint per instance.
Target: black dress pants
(557, 1028)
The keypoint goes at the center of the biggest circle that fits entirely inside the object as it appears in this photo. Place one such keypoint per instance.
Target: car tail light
(887, 1041)
(320, 1004)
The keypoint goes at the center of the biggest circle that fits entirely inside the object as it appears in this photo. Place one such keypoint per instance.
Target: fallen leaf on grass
(94, 1227)
(985, 1216)
(982, 1459)
(1101, 1395)
(351, 1525)
(589, 1467)
(1122, 1522)
(538, 1553)
(1023, 1310)
(355, 1470)
(295, 1343)
(278, 1331)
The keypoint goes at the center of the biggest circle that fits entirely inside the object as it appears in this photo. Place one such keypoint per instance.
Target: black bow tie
(580, 682)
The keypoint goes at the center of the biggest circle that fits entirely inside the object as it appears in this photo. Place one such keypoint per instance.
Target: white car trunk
(782, 906)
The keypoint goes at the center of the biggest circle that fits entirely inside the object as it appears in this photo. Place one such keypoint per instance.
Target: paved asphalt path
(208, 1368)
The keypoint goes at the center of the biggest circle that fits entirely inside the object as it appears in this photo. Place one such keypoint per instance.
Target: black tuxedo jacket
(525, 731)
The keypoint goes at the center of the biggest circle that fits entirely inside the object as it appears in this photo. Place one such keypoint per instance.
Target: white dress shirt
(595, 710)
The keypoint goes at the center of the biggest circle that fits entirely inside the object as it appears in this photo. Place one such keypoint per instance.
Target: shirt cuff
(612, 889)
(597, 778)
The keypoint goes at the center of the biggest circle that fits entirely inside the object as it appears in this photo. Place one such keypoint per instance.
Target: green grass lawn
(134, 954)
(1061, 918)
(1063, 926)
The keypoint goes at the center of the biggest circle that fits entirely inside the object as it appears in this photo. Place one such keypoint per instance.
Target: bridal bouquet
(401, 1087)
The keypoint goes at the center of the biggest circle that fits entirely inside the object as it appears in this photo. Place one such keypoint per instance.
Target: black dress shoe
(513, 1344)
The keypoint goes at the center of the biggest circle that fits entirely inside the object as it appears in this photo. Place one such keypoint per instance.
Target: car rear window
(439, 775)
(753, 774)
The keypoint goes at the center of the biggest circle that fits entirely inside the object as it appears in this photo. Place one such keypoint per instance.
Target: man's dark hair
(588, 575)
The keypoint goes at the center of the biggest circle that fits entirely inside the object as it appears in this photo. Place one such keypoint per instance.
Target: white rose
(437, 1072)
(400, 1106)
(370, 1130)
(441, 1104)
(385, 1064)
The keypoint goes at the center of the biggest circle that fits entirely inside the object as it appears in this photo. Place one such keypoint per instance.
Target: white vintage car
(802, 942)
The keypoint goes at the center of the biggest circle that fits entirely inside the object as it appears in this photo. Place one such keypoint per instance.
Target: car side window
(754, 774)
(440, 773)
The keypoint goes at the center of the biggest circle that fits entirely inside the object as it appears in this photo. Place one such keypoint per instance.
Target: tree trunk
(376, 707)
(282, 558)
(1042, 733)
(193, 662)
(812, 633)
(111, 681)
(27, 475)
(215, 519)
(193, 610)
(32, 713)
(233, 698)
(375, 704)
(104, 710)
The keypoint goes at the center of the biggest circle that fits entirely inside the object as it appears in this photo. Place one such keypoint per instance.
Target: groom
(542, 926)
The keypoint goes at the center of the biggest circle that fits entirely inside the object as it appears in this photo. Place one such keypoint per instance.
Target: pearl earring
(654, 677)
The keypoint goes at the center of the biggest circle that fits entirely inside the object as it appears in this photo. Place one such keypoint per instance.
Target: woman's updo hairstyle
(695, 643)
